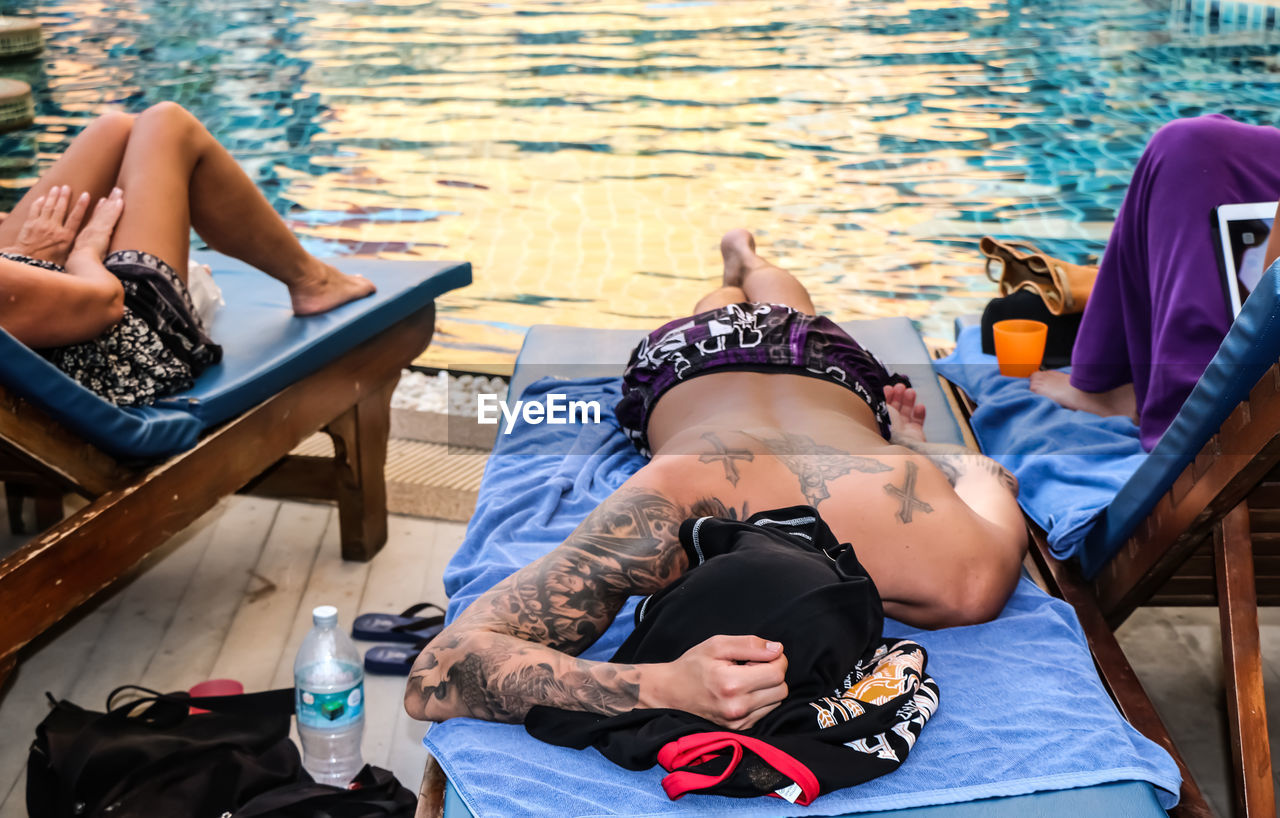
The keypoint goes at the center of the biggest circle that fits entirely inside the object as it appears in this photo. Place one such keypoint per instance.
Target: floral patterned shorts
(157, 348)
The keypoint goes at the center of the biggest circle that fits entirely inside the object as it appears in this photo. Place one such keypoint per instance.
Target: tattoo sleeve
(496, 677)
(956, 462)
(514, 647)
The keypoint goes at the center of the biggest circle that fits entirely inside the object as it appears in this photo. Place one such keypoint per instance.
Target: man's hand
(733, 681)
(49, 230)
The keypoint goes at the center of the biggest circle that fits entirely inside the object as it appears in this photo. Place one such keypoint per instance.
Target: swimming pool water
(586, 156)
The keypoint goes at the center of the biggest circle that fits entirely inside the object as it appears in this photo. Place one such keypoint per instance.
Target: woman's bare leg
(761, 281)
(176, 176)
(90, 164)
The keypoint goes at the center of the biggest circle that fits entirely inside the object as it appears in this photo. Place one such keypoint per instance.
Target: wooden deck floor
(231, 597)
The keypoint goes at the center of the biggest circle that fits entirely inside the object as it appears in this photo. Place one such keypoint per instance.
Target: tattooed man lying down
(753, 403)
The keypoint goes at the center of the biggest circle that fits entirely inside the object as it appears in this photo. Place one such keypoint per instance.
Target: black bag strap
(170, 707)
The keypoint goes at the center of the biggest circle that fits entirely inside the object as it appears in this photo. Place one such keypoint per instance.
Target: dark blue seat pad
(580, 352)
(265, 348)
(146, 432)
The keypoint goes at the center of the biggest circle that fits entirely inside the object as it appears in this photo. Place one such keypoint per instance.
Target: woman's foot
(1056, 386)
(324, 287)
(906, 415)
(738, 248)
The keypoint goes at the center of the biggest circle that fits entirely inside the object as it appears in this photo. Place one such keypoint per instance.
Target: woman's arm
(42, 308)
(46, 309)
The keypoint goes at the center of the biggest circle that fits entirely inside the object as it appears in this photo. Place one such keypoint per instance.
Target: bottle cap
(325, 615)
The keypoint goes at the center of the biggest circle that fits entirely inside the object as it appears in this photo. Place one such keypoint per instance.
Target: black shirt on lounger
(856, 702)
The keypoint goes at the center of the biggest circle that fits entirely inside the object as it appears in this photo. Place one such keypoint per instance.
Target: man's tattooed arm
(957, 462)
(498, 677)
(514, 647)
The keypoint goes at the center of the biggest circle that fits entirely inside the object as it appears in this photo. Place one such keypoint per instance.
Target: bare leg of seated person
(1056, 386)
(176, 177)
(937, 527)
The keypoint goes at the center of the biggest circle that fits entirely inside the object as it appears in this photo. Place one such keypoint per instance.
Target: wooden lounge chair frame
(1200, 545)
(133, 510)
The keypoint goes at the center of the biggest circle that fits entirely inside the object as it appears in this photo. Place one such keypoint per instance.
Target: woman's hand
(50, 230)
(95, 238)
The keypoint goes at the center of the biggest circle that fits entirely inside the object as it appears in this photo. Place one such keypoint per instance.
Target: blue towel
(1069, 464)
(1022, 707)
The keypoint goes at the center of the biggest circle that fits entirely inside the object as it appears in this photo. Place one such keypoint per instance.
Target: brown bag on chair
(1064, 286)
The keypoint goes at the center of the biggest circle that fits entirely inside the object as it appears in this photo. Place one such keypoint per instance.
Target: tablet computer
(1242, 246)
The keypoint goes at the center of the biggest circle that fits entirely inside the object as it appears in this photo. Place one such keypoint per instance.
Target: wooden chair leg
(13, 498)
(360, 451)
(48, 508)
(1242, 666)
(7, 665)
(431, 793)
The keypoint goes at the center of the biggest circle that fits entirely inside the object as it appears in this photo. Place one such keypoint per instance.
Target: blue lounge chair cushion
(577, 352)
(265, 348)
(141, 433)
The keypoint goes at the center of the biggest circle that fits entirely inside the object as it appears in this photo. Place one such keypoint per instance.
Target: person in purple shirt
(1157, 313)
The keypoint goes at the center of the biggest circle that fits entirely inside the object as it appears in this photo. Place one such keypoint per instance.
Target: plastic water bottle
(328, 682)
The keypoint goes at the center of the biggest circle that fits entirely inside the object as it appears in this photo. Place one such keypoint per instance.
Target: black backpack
(152, 757)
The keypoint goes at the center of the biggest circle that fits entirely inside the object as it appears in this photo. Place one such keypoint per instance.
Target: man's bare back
(756, 442)
(937, 528)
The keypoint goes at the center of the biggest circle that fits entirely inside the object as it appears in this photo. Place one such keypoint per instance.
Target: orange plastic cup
(1019, 346)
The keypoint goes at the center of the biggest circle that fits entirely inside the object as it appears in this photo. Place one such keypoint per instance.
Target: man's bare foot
(325, 288)
(738, 248)
(1056, 386)
(906, 415)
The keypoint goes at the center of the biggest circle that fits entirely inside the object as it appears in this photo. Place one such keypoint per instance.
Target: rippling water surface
(585, 156)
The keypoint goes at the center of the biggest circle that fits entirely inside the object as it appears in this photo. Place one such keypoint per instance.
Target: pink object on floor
(215, 687)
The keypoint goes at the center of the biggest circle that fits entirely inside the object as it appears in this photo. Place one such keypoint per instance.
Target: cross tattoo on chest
(907, 494)
(727, 456)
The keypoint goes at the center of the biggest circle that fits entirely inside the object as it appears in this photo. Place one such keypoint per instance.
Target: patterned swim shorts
(747, 337)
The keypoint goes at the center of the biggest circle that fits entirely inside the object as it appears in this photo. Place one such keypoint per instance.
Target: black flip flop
(402, 627)
(392, 660)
